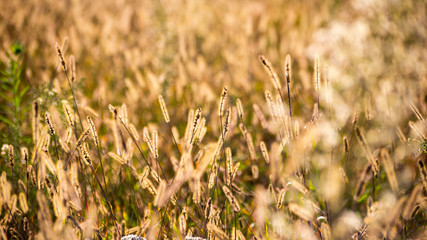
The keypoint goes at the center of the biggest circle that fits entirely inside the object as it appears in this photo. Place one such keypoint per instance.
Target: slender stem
(289, 100)
(106, 200)
(173, 138)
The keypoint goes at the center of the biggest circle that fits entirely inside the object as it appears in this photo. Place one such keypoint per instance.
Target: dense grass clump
(213, 120)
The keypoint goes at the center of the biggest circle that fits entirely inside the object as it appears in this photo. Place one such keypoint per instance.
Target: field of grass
(194, 119)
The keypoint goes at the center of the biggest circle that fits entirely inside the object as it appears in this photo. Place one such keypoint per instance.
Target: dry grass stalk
(362, 140)
(208, 209)
(417, 130)
(281, 198)
(229, 164)
(188, 129)
(260, 116)
(68, 113)
(49, 124)
(82, 137)
(221, 235)
(271, 105)
(410, 203)
(346, 145)
(270, 70)
(160, 191)
(227, 122)
(72, 68)
(361, 184)
(61, 58)
(423, 172)
(222, 101)
(418, 114)
(85, 155)
(212, 175)
(255, 171)
(23, 202)
(164, 109)
(264, 152)
(317, 79)
(93, 131)
(389, 169)
(34, 117)
(239, 108)
(298, 186)
(196, 124)
(11, 156)
(401, 136)
(301, 212)
(233, 201)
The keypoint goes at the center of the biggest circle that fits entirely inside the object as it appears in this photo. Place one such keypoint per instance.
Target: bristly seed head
(49, 124)
(239, 108)
(61, 58)
(222, 101)
(288, 69)
(164, 109)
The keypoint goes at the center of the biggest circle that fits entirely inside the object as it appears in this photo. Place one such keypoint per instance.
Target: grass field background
(214, 119)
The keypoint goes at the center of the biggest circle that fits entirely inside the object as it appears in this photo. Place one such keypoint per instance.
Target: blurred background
(372, 58)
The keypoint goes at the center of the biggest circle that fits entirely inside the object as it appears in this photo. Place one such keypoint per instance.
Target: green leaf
(5, 97)
(5, 120)
(17, 48)
(23, 91)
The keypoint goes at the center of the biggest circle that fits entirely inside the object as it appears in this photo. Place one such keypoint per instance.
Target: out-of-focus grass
(316, 185)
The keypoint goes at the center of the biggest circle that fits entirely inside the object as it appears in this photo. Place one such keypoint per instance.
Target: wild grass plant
(213, 120)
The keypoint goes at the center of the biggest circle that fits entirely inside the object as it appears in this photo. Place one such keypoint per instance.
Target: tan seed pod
(423, 173)
(35, 120)
(219, 234)
(418, 114)
(235, 169)
(134, 132)
(264, 152)
(212, 175)
(389, 170)
(155, 145)
(260, 116)
(24, 154)
(83, 137)
(239, 108)
(410, 203)
(270, 70)
(255, 171)
(281, 198)
(68, 113)
(222, 101)
(361, 184)
(229, 164)
(49, 124)
(164, 109)
(346, 145)
(298, 186)
(23, 202)
(288, 68)
(72, 68)
(93, 131)
(208, 208)
(182, 224)
(85, 155)
(231, 199)
(362, 140)
(301, 212)
(251, 146)
(116, 157)
(417, 130)
(11, 155)
(61, 58)
(160, 192)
